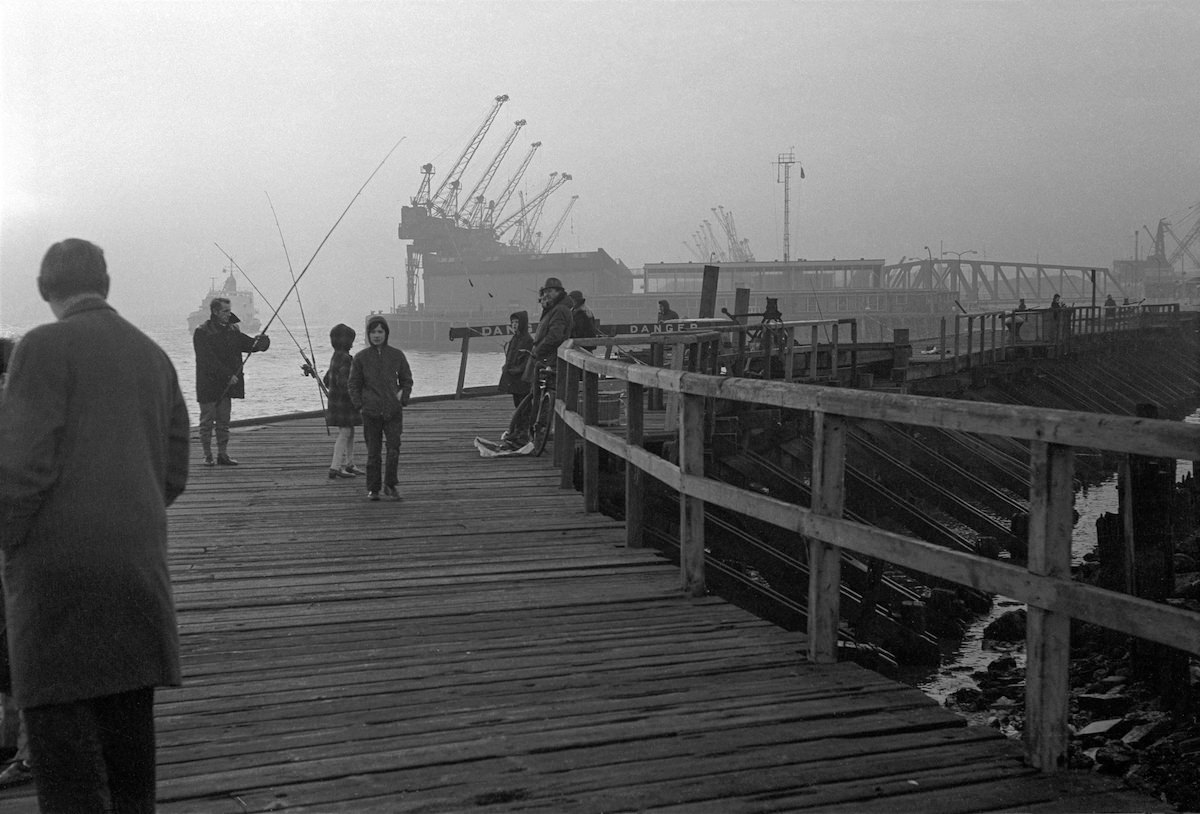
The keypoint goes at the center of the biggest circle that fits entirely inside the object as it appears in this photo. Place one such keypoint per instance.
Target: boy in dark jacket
(380, 385)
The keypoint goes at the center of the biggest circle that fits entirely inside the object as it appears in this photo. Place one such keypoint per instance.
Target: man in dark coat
(583, 321)
(555, 325)
(93, 448)
(665, 312)
(219, 347)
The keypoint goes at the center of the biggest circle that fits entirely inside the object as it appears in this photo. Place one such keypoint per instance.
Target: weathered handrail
(1044, 584)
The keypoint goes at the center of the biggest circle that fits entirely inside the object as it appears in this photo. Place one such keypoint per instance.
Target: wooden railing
(1044, 584)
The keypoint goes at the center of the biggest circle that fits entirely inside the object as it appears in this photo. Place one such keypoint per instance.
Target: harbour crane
(443, 202)
(503, 226)
(1185, 245)
(739, 249)
(496, 208)
(526, 238)
(716, 244)
(545, 246)
(472, 209)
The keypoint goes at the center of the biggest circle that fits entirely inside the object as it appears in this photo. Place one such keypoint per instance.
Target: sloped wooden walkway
(485, 645)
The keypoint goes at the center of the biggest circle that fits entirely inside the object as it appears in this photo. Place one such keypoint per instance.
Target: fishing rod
(309, 367)
(308, 265)
(267, 302)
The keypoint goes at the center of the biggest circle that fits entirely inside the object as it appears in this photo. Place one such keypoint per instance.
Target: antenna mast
(784, 163)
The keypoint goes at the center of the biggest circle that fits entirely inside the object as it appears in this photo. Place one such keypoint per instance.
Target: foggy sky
(1022, 131)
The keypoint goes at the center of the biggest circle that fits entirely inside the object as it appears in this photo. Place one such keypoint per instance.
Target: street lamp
(930, 256)
(393, 279)
(959, 255)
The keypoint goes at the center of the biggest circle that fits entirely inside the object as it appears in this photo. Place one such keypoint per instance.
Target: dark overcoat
(553, 329)
(511, 374)
(219, 350)
(93, 448)
(340, 411)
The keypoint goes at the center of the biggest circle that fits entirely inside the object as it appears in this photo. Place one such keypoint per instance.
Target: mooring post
(901, 353)
(1146, 502)
(824, 559)
(635, 478)
(1048, 633)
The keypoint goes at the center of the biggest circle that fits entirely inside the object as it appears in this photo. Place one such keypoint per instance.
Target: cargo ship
(240, 301)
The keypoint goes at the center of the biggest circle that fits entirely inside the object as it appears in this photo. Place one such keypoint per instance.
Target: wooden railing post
(462, 368)
(1048, 633)
(671, 398)
(635, 478)
(824, 560)
(567, 461)
(562, 433)
(591, 452)
(691, 509)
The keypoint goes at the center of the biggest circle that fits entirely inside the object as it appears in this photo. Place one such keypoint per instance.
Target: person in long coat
(219, 346)
(515, 356)
(555, 325)
(340, 410)
(93, 448)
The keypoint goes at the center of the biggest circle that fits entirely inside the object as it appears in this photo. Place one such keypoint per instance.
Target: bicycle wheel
(542, 421)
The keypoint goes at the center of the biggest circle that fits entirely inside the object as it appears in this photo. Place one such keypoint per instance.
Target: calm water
(274, 383)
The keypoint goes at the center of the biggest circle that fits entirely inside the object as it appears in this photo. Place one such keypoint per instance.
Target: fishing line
(308, 265)
(310, 363)
(266, 302)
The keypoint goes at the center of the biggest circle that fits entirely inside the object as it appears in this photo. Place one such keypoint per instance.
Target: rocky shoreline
(1121, 724)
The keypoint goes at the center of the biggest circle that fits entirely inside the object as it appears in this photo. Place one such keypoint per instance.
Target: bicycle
(534, 416)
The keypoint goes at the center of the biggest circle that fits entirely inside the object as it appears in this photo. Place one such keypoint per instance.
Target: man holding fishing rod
(219, 347)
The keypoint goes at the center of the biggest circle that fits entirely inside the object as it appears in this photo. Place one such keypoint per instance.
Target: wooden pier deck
(485, 645)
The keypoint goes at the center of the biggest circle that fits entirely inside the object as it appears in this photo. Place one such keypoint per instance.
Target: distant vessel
(241, 302)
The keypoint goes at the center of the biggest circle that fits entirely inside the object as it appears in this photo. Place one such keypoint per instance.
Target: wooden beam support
(1048, 633)
(691, 509)
(591, 452)
(824, 560)
(635, 478)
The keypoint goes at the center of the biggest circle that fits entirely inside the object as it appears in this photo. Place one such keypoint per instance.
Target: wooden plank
(454, 651)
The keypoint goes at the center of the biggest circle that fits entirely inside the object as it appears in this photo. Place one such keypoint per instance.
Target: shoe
(208, 460)
(353, 470)
(15, 774)
(390, 493)
(372, 495)
(341, 473)
(225, 460)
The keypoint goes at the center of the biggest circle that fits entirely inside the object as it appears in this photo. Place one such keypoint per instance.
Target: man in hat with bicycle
(555, 324)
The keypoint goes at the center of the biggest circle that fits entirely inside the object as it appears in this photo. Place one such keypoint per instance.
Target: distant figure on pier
(1021, 306)
(1056, 302)
(512, 373)
(380, 385)
(583, 322)
(553, 328)
(219, 346)
(665, 312)
(1110, 308)
(341, 413)
(93, 448)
